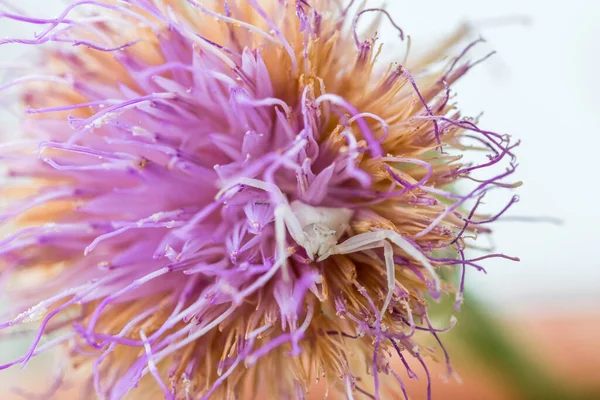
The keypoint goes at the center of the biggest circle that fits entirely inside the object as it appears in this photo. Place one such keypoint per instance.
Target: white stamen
(34, 313)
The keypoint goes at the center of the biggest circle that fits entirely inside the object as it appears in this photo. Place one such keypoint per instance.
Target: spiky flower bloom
(224, 197)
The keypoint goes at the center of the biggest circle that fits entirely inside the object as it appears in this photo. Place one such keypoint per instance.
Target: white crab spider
(318, 229)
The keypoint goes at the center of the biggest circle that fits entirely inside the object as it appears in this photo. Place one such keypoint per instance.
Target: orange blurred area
(568, 347)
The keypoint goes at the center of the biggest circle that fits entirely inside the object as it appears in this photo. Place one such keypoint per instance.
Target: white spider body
(318, 229)
(322, 227)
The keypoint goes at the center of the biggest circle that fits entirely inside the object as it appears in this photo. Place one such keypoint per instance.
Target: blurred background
(528, 330)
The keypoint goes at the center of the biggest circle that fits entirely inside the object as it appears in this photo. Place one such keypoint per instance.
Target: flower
(209, 195)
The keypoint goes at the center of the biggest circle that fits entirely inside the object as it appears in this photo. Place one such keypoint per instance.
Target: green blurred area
(482, 339)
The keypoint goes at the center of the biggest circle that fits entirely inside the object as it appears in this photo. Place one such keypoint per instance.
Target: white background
(542, 87)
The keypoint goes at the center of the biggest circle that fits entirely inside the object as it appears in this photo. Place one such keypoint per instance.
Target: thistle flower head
(216, 198)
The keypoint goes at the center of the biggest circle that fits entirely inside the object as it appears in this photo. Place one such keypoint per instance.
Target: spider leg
(293, 226)
(255, 183)
(284, 217)
(390, 268)
(362, 241)
(280, 239)
(412, 251)
(373, 240)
